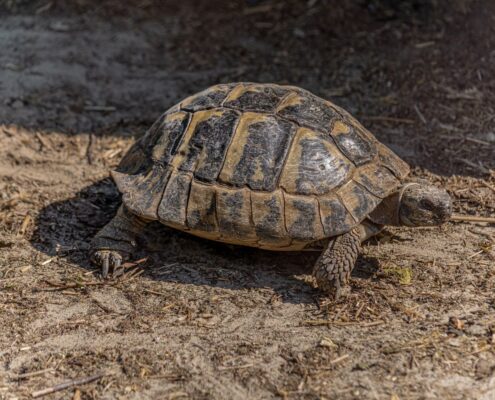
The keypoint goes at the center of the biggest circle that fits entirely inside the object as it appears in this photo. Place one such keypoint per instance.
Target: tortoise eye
(427, 205)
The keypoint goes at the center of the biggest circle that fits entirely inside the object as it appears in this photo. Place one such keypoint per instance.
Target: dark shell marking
(358, 201)
(168, 135)
(308, 110)
(261, 165)
(258, 151)
(302, 217)
(173, 206)
(201, 209)
(234, 215)
(268, 218)
(142, 193)
(205, 143)
(262, 98)
(334, 216)
(376, 178)
(210, 98)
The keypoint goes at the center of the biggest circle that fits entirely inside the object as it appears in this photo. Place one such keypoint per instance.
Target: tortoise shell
(260, 165)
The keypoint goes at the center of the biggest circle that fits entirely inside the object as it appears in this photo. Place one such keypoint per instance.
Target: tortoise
(267, 166)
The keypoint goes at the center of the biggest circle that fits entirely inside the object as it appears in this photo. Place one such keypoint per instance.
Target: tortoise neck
(388, 211)
(399, 201)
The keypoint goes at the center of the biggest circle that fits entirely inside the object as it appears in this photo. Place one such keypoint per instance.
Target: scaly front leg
(333, 269)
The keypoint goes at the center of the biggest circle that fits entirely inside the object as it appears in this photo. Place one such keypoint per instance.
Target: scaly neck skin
(387, 212)
(368, 229)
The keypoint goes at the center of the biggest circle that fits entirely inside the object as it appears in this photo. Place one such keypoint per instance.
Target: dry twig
(34, 373)
(67, 384)
(320, 322)
(472, 218)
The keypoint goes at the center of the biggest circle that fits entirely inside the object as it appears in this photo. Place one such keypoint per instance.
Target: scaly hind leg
(116, 242)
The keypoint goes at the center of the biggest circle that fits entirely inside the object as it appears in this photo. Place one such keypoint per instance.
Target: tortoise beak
(446, 213)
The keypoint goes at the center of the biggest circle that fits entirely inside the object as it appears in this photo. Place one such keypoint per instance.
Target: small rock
(12, 66)
(17, 104)
(476, 330)
(59, 26)
(299, 33)
(484, 369)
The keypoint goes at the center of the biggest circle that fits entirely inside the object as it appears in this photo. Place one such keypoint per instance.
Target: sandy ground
(203, 320)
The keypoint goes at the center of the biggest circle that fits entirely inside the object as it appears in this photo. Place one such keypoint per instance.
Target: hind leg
(116, 242)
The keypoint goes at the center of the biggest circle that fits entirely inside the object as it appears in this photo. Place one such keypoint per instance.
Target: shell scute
(358, 201)
(268, 218)
(234, 215)
(334, 216)
(356, 147)
(314, 165)
(212, 97)
(377, 179)
(173, 206)
(257, 153)
(205, 143)
(308, 110)
(302, 217)
(170, 131)
(142, 192)
(202, 210)
(392, 161)
(254, 97)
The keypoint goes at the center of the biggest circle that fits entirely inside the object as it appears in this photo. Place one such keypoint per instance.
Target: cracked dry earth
(202, 320)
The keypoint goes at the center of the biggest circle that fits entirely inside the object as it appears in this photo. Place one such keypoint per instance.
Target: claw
(105, 266)
(117, 270)
(110, 262)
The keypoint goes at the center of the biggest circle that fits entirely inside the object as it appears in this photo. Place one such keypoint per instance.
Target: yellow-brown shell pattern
(261, 165)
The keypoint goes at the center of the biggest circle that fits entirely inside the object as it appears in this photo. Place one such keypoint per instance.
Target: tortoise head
(424, 205)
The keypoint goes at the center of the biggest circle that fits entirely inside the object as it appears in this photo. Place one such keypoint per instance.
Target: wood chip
(46, 262)
(327, 342)
(424, 44)
(24, 226)
(339, 359)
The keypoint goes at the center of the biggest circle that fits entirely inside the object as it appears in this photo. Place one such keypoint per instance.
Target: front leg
(333, 269)
(116, 242)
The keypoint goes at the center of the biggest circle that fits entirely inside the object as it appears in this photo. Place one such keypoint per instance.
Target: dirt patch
(203, 320)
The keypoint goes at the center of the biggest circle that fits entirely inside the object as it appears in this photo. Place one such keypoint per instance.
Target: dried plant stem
(67, 384)
(472, 218)
(34, 373)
